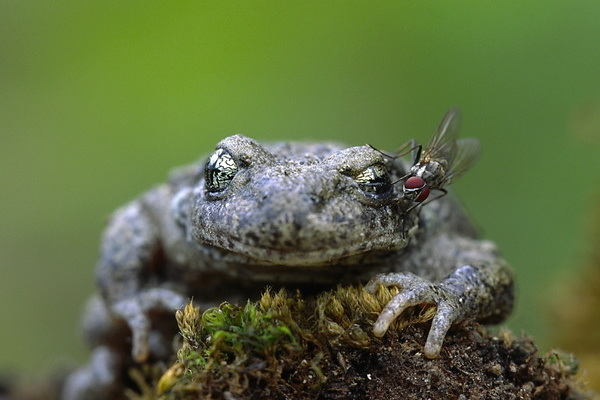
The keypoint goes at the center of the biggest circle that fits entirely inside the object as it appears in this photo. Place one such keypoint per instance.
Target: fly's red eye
(414, 182)
(423, 195)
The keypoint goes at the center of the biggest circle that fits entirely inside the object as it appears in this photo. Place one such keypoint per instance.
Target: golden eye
(374, 180)
(219, 170)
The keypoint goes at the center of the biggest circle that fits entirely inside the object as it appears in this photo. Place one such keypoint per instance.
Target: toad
(295, 215)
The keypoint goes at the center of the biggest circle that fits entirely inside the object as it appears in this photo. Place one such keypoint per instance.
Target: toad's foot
(451, 307)
(135, 311)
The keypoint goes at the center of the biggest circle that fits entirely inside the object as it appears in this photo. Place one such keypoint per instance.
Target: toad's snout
(297, 212)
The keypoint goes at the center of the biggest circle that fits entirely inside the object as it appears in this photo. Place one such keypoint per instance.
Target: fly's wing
(415, 151)
(467, 154)
(443, 143)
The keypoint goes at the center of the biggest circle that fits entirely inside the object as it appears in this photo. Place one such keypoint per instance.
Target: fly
(444, 160)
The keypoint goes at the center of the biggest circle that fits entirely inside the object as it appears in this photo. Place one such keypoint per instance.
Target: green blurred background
(98, 100)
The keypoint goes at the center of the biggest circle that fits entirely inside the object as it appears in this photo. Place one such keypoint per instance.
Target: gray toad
(299, 215)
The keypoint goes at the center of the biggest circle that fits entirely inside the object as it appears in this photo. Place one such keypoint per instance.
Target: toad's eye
(374, 180)
(219, 171)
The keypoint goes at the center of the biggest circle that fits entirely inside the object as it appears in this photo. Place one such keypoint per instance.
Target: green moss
(285, 346)
(232, 349)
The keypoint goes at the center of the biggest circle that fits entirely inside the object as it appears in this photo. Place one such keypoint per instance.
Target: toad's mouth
(297, 255)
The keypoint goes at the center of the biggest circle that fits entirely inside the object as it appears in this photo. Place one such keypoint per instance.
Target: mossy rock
(288, 347)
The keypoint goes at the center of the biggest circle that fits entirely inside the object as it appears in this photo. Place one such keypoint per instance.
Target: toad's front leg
(480, 287)
(128, 273)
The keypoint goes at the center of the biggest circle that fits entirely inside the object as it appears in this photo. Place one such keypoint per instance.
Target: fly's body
(444, 160)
